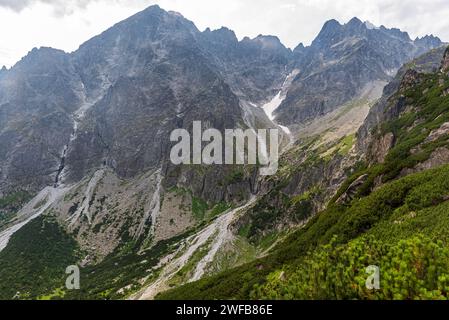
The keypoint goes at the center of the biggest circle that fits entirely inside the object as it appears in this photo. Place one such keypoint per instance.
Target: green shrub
(416, 268)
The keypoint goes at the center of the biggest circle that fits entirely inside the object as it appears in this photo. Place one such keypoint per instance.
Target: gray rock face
(428, 41)
(37, 97)
(254, 68)
(170, 85)
(115, 100)
(349, 193)
(435, 134)
(445, 63)
(340, 61)
(388, 108)
(381, 149)
(126, 89)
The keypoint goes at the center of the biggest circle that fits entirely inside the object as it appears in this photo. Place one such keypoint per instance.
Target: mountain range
(86, 177)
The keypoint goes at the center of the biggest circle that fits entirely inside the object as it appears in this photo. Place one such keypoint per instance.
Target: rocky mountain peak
(3, 71)
(397, 33)
(329, 31)
(42, 52)
(41, 59)
(269, 42)
(266, 45)
(151, 16)
(333, 32)
(428, 41)
(331, 25)
(150, 24)
(223, 35)
(355, 23)
(153, 10)
(358, 54)
(355, 27)
(299, 48)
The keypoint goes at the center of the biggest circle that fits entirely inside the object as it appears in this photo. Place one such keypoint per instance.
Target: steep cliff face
(391, 105)
(149, 73)
(153, 72)
(406, 131)
(340, 62)
(37, 98)
(445, 64)
(254, 68)
(157, 63)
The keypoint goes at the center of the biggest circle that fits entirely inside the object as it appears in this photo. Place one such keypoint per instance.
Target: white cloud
(65, 24)
(40, 25)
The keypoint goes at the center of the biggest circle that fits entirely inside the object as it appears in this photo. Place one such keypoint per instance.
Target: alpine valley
(363, 179)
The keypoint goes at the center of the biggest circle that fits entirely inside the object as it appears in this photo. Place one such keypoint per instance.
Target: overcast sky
(65, 24)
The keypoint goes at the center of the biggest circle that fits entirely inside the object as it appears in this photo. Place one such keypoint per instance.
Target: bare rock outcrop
(443, 130)
(381, 147)
(445, 62)
(352, 190)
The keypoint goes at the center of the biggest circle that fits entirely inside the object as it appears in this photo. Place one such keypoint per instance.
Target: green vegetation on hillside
(397, 211)
(35, 260)
(119, 275)
(12, 203)
(415, 268)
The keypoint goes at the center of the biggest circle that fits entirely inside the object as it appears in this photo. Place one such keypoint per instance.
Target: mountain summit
(341, 61)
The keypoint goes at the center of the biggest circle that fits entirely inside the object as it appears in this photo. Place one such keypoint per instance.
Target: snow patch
(270, 107)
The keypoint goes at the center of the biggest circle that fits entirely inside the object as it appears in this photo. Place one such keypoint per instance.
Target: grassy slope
(35, 260)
